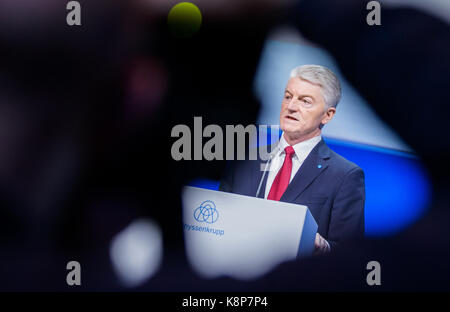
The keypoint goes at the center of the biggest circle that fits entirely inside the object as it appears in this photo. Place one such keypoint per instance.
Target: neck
(292, 139)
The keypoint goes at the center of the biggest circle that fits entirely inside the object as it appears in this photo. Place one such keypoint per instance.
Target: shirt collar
(301, 149)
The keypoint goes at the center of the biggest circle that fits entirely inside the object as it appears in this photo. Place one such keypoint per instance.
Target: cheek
(319, 118)
(311, 117)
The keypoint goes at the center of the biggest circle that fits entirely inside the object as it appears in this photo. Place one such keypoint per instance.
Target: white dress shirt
(302, 151)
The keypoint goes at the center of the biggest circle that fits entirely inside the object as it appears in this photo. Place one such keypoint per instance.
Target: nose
(291, 105)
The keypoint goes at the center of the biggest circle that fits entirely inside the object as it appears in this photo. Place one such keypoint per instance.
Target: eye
(306, 102)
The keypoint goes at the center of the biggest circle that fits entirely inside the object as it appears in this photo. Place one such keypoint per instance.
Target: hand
(321, 245)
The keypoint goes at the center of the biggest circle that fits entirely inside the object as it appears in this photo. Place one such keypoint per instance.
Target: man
(303, 170)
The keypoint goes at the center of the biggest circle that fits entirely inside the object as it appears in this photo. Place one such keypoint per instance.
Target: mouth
(291, 118)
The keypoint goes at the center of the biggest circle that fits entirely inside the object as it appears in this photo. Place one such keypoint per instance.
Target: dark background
(86, 114)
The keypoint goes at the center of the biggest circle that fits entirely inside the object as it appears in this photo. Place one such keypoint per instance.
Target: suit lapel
(311, 168)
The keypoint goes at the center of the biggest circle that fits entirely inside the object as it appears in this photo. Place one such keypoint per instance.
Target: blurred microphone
(271, 156)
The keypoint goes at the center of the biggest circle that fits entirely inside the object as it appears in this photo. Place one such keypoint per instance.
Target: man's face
(303, 110)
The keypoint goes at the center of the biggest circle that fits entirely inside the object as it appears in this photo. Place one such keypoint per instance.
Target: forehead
(298, 86)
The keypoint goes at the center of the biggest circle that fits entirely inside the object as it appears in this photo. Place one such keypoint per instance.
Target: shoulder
(343, 165)
(345, 173)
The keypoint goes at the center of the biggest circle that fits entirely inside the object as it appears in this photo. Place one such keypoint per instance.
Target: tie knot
(289, 150)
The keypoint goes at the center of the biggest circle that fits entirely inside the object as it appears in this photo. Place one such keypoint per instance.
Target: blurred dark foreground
(86, 114)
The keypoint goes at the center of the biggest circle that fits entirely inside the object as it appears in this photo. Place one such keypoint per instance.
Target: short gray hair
(320, 75)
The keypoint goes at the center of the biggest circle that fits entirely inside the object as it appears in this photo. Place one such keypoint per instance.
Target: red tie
(283, 177)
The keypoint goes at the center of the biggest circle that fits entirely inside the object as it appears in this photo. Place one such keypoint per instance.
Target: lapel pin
(319, 166)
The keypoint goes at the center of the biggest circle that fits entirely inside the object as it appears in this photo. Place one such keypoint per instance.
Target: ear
(328, 115)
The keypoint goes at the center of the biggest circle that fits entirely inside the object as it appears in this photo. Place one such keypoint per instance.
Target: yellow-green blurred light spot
(184, 19)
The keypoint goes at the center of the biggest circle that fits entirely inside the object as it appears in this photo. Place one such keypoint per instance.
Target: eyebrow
(302, 96)
(286, 90)
(310, 96)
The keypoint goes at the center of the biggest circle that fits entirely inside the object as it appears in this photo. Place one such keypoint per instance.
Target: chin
(292, 134)
(291, 129)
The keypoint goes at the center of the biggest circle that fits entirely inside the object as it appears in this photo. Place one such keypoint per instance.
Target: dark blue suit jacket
(331, 186)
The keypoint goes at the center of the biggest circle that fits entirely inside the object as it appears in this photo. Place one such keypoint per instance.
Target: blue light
(206, 184)
(398, 190)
